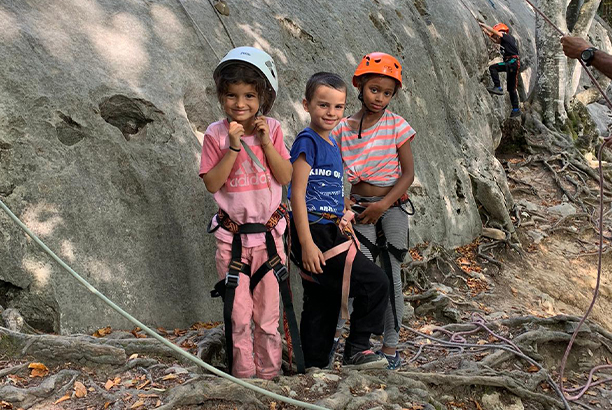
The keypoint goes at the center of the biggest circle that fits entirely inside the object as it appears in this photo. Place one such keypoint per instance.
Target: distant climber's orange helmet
(379, 63)
(501, 27)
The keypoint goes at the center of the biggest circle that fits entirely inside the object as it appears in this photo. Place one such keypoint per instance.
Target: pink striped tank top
(373, 158)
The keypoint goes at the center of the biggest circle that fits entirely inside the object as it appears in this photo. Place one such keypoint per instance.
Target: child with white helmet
(377, 158)
(244, 164)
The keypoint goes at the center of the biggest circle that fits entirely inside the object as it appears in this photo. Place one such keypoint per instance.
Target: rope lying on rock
(149, 331)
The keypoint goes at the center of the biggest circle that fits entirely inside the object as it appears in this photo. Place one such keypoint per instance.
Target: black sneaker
(495, 90)
(366, 359)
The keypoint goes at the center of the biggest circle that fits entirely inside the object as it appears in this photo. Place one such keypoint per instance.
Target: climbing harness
(148, 330)
(226, 288)
(385, 249)
(350, 247)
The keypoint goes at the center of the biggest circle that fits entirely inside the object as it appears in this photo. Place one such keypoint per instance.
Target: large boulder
(102, 105)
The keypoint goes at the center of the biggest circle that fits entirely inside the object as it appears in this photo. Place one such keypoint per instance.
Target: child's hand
(262, 130)
(348, 202)
(312, 258)
(236, 131)
(373, 211)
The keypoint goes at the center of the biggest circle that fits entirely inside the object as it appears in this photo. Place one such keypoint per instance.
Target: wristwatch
(588, 55)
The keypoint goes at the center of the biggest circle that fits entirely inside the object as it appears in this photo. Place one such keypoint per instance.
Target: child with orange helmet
(500, 34)
(377, 158)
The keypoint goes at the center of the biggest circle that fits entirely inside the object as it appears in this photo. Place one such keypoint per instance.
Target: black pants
(512, 72)
(369, 288)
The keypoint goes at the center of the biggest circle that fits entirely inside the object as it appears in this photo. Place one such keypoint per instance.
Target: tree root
(30, 396)
(54, 349)
(81, 349)
(13, 370)
(503, 381)
(199, 391)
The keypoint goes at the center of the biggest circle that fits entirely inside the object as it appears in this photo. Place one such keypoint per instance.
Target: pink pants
(258, 354)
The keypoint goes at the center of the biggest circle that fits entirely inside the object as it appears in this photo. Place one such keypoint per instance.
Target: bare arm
(574, 46)
(217, 176)
(281, 168)
(490, 31)
(312, 257)
(405, 180)
(603, 62)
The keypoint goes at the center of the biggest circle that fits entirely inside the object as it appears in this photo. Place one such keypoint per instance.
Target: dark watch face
(587, 55)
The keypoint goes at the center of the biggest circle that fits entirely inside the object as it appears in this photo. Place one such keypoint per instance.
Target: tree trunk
(581, 29)
(551, 73)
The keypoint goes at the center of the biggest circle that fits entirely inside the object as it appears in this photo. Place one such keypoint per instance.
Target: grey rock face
(102, 110)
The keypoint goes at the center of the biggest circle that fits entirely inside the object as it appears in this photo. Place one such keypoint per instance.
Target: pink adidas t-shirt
(250, 195)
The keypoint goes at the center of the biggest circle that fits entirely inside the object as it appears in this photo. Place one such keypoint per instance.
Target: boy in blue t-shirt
(317, 202)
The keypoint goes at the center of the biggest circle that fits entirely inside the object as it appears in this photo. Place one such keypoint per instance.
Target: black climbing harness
(385, 249)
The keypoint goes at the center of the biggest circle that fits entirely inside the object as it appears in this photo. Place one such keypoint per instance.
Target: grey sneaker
(366, 359)
(495, 90)
(394, 362)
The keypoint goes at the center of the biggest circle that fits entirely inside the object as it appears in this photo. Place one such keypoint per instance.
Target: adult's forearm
(602, 61)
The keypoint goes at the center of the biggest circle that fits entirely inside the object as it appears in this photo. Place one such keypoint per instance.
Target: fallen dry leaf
(140, 386)
(134, 356)
(129, 383)
(159, 403)
(13, 378)
(139, 403)
(148, 396)
(106, 405)
(61, 399)
(205, 325)
(103, 332)
(38, 370)
(5, 405)
(136, 334)
(80, 390)
(169, 376)
(533, 369)
(109, 384)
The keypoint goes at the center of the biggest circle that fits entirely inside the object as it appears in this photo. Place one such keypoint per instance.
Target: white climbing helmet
(259, 59)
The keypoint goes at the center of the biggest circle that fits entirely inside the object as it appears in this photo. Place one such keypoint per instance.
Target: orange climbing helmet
(501, 27)
(379, 63)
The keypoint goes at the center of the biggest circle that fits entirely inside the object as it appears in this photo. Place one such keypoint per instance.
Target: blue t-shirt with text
(324, 191)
